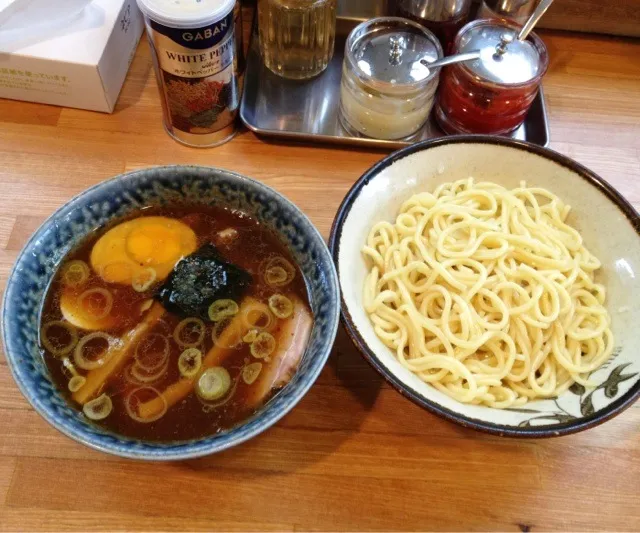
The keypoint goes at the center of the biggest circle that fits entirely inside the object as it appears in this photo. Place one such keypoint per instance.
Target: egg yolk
(125, 251)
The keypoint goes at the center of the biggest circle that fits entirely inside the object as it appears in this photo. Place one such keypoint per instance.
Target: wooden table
(353, 454)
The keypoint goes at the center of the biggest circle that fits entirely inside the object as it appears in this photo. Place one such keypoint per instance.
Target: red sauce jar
(493, 93)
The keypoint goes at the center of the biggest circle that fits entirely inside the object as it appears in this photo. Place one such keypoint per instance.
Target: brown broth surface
(191, 417)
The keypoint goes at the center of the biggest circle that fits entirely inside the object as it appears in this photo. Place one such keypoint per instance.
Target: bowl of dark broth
(170, 313)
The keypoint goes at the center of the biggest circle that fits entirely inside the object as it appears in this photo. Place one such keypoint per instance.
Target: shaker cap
(389, 50)
(503, 58)
(186, 13)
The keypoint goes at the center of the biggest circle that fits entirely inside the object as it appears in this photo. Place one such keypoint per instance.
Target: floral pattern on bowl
(609, 388)
(110, 200)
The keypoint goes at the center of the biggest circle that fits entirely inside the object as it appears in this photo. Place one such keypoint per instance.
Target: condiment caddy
(310, 110)
(491, 94)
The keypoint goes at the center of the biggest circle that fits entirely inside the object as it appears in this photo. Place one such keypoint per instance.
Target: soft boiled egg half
(136, 253)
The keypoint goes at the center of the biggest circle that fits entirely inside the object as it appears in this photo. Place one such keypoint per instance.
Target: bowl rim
(556, 430)
(168, 451)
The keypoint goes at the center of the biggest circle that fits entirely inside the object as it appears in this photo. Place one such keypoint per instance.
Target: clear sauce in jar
(386, 92)
(297, 36)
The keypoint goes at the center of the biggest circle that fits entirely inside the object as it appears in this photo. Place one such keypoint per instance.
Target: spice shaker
(443, 17)
(386, 92)
(491, 94)
(194, 55)
(517, 11)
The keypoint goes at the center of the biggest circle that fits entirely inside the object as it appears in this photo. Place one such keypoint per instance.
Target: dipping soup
(175, 323)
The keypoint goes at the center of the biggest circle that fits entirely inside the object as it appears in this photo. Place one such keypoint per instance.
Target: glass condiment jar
(297, 37)
(491, 94)
(386, 92)
(443, 17)
(517, 11)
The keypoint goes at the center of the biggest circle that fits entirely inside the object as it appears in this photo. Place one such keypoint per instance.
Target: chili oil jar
(491, 94)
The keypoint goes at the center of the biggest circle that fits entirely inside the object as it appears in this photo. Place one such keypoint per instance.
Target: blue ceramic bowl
(68, 226)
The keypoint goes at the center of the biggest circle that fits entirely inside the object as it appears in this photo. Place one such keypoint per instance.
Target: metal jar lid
(186, 14)
(503, 58)
(388, 51)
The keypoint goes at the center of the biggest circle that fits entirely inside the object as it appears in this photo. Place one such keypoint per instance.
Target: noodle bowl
(610, 231)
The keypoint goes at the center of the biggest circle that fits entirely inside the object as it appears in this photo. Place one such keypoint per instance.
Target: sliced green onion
(221, 309)
(75, 273)
(143, 376)
(251, 372)
(280, 305)
(99, 408)
(144, 394)
(87, 301)
(152, 352)
(250, 336)
(90, 361)
(257, 315)
(263, 346)
(278, 272)
(76, 383)
(70, 369)
(188, 325)
(48, 344)
(143, 279)
(214, 383)
(208, 406)
(146, 305)
(275, 276)
(190, 362)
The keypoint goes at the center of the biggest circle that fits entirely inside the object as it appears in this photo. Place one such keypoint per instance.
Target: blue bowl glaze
(110, 200)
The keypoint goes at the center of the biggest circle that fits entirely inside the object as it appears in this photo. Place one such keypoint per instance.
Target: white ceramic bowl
(611, 230)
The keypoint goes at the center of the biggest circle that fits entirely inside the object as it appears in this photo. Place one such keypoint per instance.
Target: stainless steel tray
(308, 110)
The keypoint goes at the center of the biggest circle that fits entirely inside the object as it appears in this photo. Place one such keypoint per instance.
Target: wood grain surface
(616, 17)
(353, 455)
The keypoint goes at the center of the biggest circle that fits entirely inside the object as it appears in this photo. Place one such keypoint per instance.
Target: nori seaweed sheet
(200, 279)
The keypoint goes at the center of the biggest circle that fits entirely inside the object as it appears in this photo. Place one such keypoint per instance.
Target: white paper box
(72, 53)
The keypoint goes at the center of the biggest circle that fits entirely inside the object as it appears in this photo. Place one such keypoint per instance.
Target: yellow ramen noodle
(488, 294)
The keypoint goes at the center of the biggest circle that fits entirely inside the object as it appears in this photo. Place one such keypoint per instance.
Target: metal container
(491, 94)
(517, 11)
(386, 92)
(443, 17)
(194, 55)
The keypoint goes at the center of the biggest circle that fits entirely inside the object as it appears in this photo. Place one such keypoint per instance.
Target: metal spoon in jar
(540, 10)
(456, 58)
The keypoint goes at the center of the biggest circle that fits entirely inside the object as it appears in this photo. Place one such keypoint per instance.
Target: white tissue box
(72, 53)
